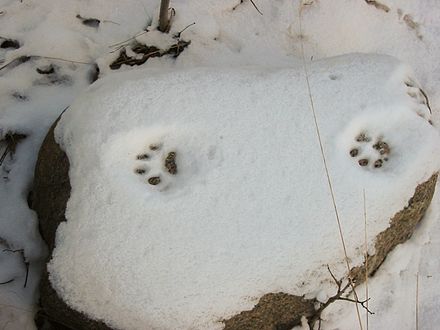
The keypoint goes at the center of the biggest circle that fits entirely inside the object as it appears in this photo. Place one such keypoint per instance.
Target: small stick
(363, 303)
(11, 280)
(27, 274)
(5, 153)
(17, 61)
(426, 99)
(109, 21)
(255, 6)
(26, 263)
(253, 3)
(177, 35)
(164, 19)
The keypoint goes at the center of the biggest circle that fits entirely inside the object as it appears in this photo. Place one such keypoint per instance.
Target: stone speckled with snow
(248, 210)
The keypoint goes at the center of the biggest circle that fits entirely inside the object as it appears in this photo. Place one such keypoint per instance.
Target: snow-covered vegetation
(193, 102)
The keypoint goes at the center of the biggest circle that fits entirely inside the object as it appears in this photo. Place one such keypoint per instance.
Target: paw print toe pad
(157, 165)
(370, 151)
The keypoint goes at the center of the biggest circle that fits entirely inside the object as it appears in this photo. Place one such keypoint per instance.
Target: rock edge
(274, 311)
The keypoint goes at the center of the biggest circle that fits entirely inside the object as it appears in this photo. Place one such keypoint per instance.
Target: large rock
(274, 311)
(276, 308)
(50, 194)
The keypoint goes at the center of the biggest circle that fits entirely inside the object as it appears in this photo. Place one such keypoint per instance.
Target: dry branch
(341, 290)
(148, 52)
(11, 140)
(26, 264)
(164, 18)
(253, 4)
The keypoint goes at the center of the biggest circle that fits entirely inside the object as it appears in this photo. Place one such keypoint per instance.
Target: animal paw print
(156, 165)
(423, 108)
(370, 152)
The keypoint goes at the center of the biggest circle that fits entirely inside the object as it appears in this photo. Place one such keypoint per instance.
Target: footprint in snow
(156, 166)
(370, 152)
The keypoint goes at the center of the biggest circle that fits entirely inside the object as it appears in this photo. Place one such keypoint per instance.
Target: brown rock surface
(51, 192)
(274, 311)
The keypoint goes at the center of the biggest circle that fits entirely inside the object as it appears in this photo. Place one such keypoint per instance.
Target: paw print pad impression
(370, 152)
(156, 165)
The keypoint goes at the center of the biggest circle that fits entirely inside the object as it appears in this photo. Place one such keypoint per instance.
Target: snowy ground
(51, 33)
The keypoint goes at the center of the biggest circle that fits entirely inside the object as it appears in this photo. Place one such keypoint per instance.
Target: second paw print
(370, 152)
(156, 166)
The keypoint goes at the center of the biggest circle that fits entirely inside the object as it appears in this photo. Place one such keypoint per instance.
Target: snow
(221, 37)
(249, 167)
(405, 266)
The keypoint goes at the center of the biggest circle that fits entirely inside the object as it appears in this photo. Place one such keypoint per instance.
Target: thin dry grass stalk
(417, 301)
(329, 180)
(366, 258)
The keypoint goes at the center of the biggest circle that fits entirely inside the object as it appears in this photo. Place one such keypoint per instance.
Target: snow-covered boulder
(194, 193)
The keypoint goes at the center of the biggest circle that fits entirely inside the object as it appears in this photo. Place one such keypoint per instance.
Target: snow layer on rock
(249, 210)
(224, 35)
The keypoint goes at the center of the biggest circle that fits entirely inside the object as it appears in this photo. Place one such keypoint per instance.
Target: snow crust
(224, 35)
(249, 211)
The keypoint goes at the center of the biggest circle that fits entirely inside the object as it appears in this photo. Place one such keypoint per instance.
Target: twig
(11, 140)
(253, 3)
(329, 181)
(118, 48)
(341, 290)
(255, 6)
(26, 263)
(426, 99)
(16, 61)
(164, 18)
(11, 280)
(338, 282)
(5, 153)
(364, 303)
(177, 35)
(27, 274)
